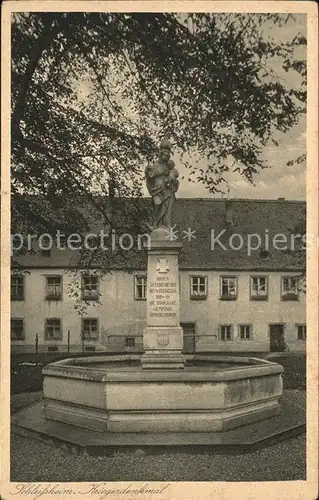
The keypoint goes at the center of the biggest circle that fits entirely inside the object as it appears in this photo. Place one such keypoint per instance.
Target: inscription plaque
(163, 300)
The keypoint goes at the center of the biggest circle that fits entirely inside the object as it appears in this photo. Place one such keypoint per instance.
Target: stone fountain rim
(70, 368)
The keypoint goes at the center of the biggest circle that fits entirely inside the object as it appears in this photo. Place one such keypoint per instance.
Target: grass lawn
(295, 370)
(28, 378)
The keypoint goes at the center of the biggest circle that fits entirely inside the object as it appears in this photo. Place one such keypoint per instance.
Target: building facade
(230, 301)
(220, 311)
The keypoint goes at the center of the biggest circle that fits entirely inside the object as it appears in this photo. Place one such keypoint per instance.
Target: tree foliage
(93, 93)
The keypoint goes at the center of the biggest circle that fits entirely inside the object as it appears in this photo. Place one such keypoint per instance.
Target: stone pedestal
(163, 336)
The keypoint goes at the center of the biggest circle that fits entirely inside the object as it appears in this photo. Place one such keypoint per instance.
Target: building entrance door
(188, 338)
(277, 338)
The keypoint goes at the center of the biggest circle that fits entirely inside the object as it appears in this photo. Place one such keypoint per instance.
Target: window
(289, 287)
(301, 332)
(264, 254)
(46, 252)
(53, 329)
(17, 329)
(61, 240)
(53, 288)
(90, 329)
(259, 287)
(90, 348)
(129, 342)
(225, 332)
(140, 287)
(53, 348)
(45, 244)
(245, 332)
(198, 287)
(228, 288)
(90, 287)
(17, 287)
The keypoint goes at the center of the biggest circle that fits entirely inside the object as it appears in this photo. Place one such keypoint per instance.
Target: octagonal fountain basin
(114, 393)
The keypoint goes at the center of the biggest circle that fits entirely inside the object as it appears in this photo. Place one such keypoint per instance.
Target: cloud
(280, 179)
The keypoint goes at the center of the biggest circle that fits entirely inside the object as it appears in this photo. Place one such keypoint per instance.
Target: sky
(279, 179)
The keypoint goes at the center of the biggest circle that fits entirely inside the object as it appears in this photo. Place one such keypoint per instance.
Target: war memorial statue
(162, 184)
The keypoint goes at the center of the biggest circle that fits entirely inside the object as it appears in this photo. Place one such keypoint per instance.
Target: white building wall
(121, 315)
(210, 313)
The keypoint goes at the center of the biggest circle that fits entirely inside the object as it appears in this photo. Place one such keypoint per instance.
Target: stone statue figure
(162, 184)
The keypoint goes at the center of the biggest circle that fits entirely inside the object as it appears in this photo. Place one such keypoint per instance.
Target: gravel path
(35, 461)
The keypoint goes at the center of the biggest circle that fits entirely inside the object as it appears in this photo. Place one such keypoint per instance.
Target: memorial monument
(163, 336)
(162, 184)
(163, 392)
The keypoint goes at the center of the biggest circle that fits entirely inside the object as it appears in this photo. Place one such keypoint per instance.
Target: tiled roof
(245, 217)
(263, 217)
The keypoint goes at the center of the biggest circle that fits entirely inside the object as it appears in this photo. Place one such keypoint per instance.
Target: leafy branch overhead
(93, 93)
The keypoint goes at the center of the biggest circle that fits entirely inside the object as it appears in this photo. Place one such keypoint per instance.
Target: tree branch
(41, 44)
